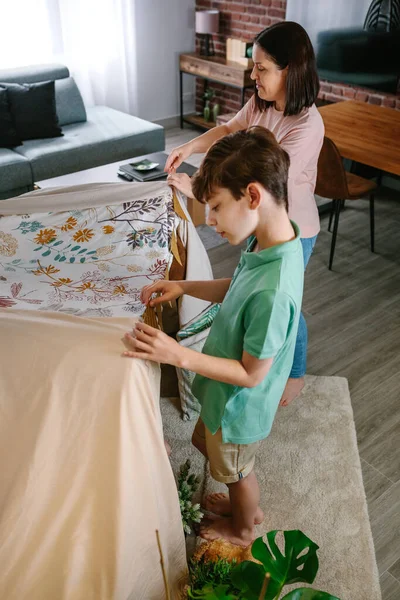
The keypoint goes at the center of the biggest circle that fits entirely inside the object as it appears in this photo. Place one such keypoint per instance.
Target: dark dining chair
(340, 185)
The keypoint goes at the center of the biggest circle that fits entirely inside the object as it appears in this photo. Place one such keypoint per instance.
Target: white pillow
(193, 336)
(190, 405)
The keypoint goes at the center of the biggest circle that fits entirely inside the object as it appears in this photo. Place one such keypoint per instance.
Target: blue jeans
(300, 351)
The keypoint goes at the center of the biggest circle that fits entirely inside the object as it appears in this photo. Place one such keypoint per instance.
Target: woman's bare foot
(219, 527)
(292, 390)
(168, 448)
(219, 504)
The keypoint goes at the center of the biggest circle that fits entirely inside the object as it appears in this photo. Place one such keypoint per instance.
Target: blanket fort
(86, 479)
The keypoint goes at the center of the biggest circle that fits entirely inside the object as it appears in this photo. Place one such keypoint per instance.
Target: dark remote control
(124, 176)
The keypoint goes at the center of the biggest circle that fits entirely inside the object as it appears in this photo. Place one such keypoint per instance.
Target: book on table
(143, 170)
(132, 170)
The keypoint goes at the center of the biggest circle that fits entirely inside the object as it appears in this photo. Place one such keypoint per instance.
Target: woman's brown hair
(240, 158)
(288, 45)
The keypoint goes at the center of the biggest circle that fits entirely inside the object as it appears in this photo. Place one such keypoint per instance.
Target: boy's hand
(182, 182)
(149, 343)
(169, 290)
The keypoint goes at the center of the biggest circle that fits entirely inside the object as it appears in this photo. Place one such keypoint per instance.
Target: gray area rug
(310, 479)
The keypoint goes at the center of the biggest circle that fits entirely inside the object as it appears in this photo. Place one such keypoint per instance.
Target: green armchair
(364, 58)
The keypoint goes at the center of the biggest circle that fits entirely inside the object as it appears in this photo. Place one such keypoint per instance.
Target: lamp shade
(207, 21)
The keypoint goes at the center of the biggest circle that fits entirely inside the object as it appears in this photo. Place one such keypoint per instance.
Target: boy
(246, 360)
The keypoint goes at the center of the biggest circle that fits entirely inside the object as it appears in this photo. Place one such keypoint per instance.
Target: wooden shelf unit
(211, 68)
(199, 121)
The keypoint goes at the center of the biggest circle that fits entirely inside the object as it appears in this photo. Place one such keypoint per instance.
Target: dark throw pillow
(33, 109)
(8, 134)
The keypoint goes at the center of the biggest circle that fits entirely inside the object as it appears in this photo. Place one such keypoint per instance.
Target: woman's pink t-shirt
(302, 137)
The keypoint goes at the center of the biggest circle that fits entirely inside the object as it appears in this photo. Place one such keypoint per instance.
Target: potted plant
(207, 97)
(264, 579)
(187, 485)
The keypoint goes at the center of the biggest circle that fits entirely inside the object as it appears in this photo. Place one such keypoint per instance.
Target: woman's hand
(177, 156)
(182, 182)
(148, 343)
(169, 290)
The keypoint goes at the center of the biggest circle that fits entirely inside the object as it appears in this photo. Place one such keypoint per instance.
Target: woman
(287, 85)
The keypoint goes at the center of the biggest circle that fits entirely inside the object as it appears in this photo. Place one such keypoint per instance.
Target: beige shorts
(228, 462)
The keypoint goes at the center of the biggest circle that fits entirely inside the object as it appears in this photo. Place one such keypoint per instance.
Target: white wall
(164, 29)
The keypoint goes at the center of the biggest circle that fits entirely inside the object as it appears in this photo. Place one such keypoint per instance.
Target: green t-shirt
(260, 314)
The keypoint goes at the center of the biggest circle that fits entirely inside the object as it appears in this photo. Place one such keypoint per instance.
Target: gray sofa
(93, 136)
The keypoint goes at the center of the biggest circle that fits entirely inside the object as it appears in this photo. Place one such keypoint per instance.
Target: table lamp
(207, 23)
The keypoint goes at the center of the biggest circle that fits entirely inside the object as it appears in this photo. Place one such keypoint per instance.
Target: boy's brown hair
(240, 158)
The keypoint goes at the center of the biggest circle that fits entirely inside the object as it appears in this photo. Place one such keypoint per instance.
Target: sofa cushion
(355, 50)
(15, 171)
(33, 109)
(69, 103)
(34, 73)
(107, 136)
(8, 134)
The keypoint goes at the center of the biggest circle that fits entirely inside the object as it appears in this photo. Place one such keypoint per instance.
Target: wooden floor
(353, 316)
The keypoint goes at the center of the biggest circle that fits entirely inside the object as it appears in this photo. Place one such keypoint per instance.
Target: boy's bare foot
(220, 527)
(292, 390)
(219, 504)
(168, 448)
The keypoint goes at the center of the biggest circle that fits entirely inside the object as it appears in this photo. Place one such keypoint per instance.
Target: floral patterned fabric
(91, 262)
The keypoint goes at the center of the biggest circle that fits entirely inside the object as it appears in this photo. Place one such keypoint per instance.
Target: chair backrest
(331, 176)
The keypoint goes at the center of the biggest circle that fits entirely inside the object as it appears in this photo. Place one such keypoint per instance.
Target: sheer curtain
(94, 38)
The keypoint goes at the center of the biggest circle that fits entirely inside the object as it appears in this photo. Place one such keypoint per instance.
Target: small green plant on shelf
(187, 485)
(262, 580)
(208, 95)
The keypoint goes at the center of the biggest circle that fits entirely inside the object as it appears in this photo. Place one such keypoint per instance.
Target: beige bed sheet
(85, 479)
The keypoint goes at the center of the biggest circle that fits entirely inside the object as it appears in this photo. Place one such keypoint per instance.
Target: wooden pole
(264, 586)
(163, 566)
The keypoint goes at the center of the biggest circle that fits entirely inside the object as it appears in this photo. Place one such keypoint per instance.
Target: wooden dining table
(365, 133)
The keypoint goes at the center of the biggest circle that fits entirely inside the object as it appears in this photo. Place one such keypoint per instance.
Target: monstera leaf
(298, 563)
(308, 594)
(248, 577)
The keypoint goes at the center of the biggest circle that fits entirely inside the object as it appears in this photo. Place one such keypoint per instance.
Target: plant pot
(215, 112)
(207, 111)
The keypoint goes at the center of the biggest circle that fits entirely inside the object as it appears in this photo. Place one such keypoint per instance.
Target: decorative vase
(207, 111)
(215, 112)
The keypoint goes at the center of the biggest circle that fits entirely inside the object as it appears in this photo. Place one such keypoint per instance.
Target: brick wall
(244, 19)
(334, 92)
